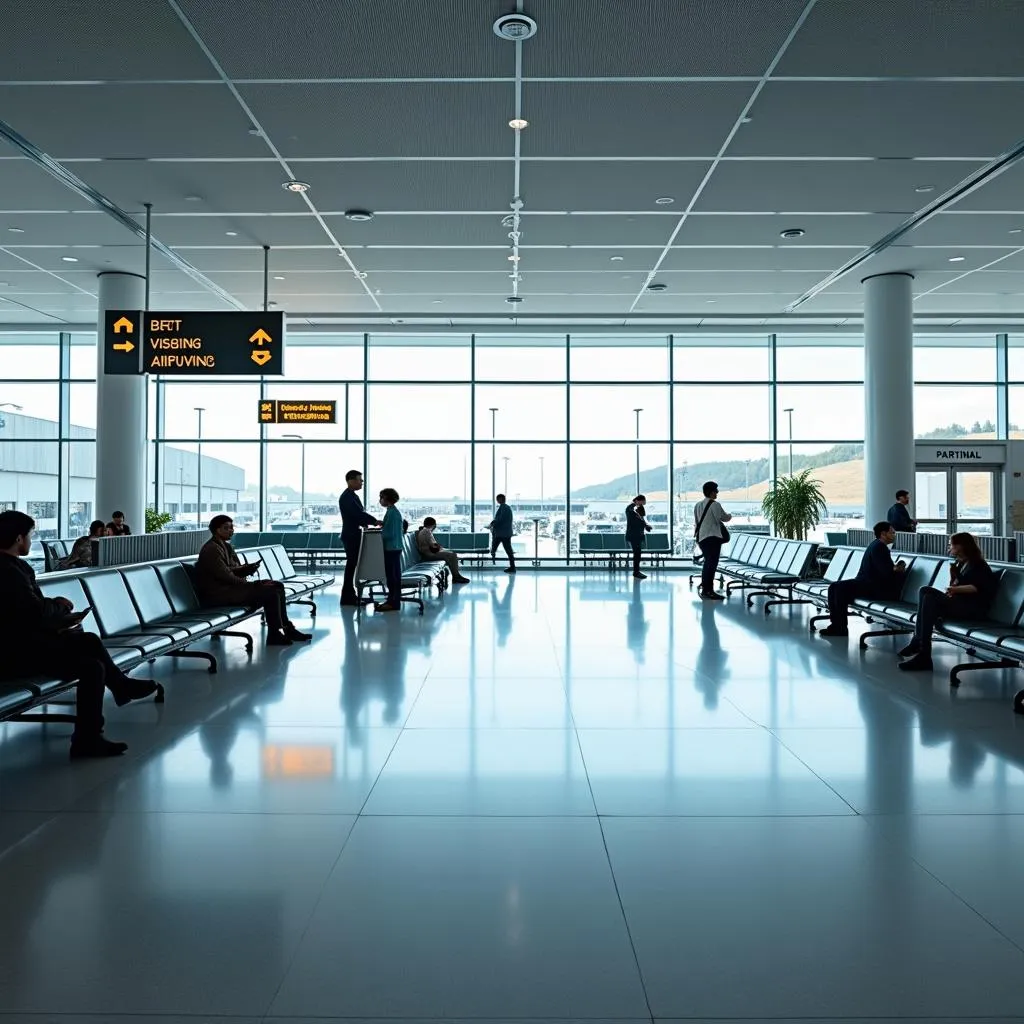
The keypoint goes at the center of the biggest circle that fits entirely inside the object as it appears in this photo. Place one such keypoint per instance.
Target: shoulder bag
(700, 522)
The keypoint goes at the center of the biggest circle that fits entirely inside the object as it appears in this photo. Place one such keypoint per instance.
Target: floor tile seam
(28, 835)
(824, 782)
(383, 767)
(892, 844)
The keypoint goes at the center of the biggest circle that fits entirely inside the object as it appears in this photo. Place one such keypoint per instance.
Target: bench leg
(312, 606)
(816, 619)
(201, 655)
(769, 605)
(42, 716)
(882, 632)
(957, 670)
(1018, 703)
(759, 593)
(241, 636)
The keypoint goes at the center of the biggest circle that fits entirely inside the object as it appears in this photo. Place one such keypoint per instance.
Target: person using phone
(221, 580)
(636, 527)
(43, 635)
(431, 551)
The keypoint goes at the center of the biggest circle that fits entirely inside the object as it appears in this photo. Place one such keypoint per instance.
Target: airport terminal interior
(568, 252)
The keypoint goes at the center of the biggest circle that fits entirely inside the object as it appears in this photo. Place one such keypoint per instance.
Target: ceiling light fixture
(657, 286)
(513, 258)
(278, 277)
(255, 131)
(925, 188)
(514, 298)
(792, 233)
(746, 120)
(16, 231)
(193, 199)
(231, 234)
(358, 215)
(957, 259)
(515, 27)
(295, 186)
(519, 123)
(616, 259)
(1016, 231)
(664, 201)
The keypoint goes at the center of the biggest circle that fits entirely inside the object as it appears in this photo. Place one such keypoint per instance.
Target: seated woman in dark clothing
(972, 588)
(81, 552)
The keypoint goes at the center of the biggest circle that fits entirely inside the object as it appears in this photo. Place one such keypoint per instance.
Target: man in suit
(878, 579)
(220, 580)
(636, 527)
(501, 532)
(899, 514)
(43, 635)
(353, 519)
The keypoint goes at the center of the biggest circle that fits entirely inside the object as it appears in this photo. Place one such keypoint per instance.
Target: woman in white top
(709, 519)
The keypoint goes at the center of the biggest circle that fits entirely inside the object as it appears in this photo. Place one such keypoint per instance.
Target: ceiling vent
(515, 27)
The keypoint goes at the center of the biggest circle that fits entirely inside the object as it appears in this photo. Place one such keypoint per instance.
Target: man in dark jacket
(877, 579)
(220, 580)
(899, 514)
(636, 527)
(43, 636)
(501, 528)
(354, 518)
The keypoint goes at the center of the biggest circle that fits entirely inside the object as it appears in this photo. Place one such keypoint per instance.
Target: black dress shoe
(133, 689)
(294, 635)
(278, 639)
(355, 602)
(918, 663)
(95, 746)
(910, 650)
(833, 631)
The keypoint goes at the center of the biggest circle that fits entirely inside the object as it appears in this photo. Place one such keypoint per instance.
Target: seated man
(81, 552)
(431, 551)
(878, 579)
(43, 636)
(220, 580)
(118, 527)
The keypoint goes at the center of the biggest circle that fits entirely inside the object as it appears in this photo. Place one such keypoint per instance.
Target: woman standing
(636, 527)
(709, 520)
(972, 588)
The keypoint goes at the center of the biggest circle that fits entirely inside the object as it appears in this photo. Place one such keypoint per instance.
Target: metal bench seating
(766, 567)
(143, 612)
(417, 576)
(614, 548)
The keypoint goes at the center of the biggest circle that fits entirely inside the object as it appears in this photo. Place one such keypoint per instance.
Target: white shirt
(712, 525)
(425, 540)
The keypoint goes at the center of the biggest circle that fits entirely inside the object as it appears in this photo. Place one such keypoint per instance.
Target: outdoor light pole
(638, 411)
(789, 413)
(302, 475)
(494, 478)
(199, 466)
(747, 486)
(506, 458)
(181, 491)
(541, 483)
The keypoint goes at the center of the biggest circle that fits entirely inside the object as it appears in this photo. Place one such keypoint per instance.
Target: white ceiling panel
(1003, 192)
(770, 257)
(750, 229)
(966, 229)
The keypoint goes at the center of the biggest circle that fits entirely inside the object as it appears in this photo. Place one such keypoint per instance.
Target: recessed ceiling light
(16, 231)
(271, 303)
(358, 215)
(657, 286)
(925, 188)
(746, 120)
(255, 131)
(437, 302)
(957, 259)
(792, 233)
(514, 298)
(1016, 231)
(515, 27)
(295, 186)
(519, 123)
(278, 277)
(399, 321)
(513, 258)
(231, 234)
(616, 259)
(193, 199)
(70, 259)
(711, 301)
(664, 201)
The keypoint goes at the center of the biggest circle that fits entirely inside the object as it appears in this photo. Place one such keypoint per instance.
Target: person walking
(501, 532)
(710, 534)
(899, 514)
(636, 527)
(394, 529)
(353, 519)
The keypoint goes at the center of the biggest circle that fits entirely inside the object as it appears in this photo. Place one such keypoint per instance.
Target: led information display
(194, 344)
(282, 411)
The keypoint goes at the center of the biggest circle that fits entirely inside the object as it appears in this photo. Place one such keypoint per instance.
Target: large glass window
(721, 412)
(955, 357)
(618, 412)
(954, 411)
(520, 358)
(743, 357)
(521, 412)
(394, 357)
(819, 412)
(606, 357)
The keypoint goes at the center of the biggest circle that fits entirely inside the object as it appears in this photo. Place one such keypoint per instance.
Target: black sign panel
(122, 350)
(213, 344)
(273, 410)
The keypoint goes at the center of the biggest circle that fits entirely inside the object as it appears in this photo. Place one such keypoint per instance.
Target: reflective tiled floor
(557, 797)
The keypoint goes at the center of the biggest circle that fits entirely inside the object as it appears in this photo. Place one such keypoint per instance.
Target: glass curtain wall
(568, 426)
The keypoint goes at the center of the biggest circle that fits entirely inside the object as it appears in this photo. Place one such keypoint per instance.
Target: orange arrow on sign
(261, 337)
(260, 358)
(124, 346)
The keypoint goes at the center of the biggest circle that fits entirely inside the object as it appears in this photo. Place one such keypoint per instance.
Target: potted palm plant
(794, 505)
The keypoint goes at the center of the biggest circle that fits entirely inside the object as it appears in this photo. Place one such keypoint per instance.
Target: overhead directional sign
(274, 410)
(195, 344)
(121, 351)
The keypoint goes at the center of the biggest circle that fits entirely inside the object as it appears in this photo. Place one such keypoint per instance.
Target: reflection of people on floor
(217, 737)
(373, 666)
(501, 609)
(636, 625)
(711, 658)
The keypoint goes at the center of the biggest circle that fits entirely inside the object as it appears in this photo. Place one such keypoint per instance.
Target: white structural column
(120, 416)
(888, 391)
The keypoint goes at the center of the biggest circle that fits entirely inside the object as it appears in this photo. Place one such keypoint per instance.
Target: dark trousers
(933, 605)
(348, 585)
(393, 573)
(72, 655)
(270, 597)
(637, 546)
(711, 548)
(840, 595)
(506, 543)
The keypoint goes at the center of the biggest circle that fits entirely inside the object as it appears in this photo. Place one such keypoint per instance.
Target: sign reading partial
(281, 411)
(195, 344)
